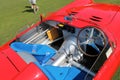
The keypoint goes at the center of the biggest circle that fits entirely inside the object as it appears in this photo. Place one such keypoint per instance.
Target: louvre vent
(73, 13)
(96, 18)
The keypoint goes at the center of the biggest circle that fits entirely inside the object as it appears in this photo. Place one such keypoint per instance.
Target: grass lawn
(16, 14)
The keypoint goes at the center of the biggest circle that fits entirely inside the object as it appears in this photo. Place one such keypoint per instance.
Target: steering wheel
(91, 41)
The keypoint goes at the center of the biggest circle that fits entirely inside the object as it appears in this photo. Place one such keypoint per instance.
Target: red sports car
(78, 42)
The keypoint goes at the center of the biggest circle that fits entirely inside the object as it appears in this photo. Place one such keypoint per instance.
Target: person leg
(34, 6)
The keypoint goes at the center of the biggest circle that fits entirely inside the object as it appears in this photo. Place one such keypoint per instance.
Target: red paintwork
(31, 72)
(13, 67)
(10, 63)
(109, 68)
(6, 68)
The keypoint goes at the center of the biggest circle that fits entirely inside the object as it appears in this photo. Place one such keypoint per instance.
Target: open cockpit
(57, 44)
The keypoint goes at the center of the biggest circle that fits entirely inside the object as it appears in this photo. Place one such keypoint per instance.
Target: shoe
(37, 8)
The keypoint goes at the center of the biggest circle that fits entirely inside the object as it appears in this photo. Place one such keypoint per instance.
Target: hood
(97, 13)
(100, 14)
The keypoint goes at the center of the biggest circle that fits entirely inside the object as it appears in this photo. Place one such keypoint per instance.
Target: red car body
(13, 67)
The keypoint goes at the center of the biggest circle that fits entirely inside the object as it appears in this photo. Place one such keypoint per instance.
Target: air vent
(73, 13)
(96, 18)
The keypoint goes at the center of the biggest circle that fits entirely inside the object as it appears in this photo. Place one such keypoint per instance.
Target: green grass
(14, 15)
(109, 1)
(117, 75)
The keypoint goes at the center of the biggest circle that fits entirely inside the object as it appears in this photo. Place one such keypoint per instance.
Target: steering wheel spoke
(83, 43)
(93, 45)
(91, 33)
